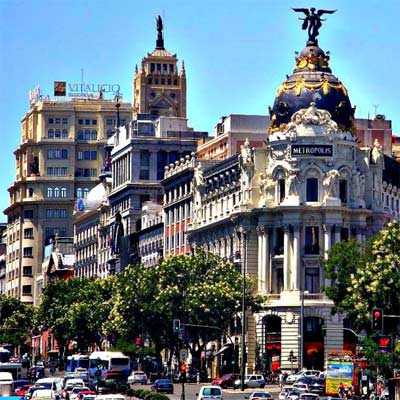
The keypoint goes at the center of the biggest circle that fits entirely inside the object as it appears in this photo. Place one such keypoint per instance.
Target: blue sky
(236, 53)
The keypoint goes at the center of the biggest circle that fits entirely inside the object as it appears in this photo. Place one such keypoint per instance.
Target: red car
(23, 390)
(225, 380)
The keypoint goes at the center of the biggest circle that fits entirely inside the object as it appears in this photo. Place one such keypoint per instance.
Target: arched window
(85, 192)
(87, 134)
(64, 134)
(94, 135)
(80, 135)
(50, 133)
(63, 192)
(312, 189)
(56, 192)
(49, 192)
(57, 133)
(79, 193)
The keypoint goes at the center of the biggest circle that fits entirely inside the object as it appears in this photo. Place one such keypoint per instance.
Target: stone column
(286, 247)
(359, 234)
(266, 259)
(261, 255)
(327, 228)
(296, 265)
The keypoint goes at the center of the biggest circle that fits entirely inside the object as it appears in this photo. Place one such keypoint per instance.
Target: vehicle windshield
(226, 376)
(212, 392)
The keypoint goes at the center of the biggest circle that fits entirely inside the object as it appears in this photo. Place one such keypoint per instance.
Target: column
(260, 271)
(296, 265)
(266, 259)
(359, 234)
(286, 274)
(327, 228)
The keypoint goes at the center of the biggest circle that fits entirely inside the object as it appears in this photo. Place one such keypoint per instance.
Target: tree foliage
(368, 276)
(16, 320)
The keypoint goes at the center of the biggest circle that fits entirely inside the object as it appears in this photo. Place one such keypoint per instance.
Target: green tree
(16, 320)
(75, 309)
(368, 276)
(202, 289)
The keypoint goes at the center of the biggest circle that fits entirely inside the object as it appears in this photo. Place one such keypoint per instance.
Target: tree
(200, 289)
(366, 276)
(16, 320)
(75, 309)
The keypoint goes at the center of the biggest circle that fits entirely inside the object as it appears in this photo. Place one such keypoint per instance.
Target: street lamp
(181, 284)
(302, 293)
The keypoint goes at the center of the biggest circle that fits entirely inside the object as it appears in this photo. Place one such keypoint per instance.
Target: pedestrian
(281, 379)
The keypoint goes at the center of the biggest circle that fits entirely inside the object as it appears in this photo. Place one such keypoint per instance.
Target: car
(293, 378)
(86, 394)
(76, 391)
(301, 387)
(22, 391)
(317, 386)
(45, 394)
(225, 380)
(294, 394)
(284, 392)
(384, 394)
(20, 383)
(251, 381)
(259, 396)
(308, 396)
(308, 373)
(305, 379)
(36, 372)
(209, 392)
(137, 377)
(31, 390)
(162, 386)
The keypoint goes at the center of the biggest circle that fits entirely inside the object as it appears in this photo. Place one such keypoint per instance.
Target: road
(228, 394)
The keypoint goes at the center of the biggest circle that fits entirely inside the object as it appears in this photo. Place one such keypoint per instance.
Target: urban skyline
(253, 57)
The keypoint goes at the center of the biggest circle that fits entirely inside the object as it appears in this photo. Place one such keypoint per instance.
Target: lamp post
(302, 293)
(243, 346)
(181, 283)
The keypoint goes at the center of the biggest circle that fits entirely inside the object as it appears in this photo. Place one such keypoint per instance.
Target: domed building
(277, 210)
(312, 81)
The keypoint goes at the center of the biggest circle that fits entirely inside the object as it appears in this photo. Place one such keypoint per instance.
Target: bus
(101, 362)
(77, 361)
(15, 368)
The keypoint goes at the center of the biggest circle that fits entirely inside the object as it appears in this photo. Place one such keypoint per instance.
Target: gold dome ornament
(302, 64)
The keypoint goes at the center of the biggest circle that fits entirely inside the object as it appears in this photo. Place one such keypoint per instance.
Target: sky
(236, 53)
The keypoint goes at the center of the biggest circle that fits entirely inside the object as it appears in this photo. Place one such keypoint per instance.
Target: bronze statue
(312, 21)
(159, 24)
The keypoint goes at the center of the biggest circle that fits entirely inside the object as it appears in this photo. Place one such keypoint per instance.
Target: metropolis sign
(314, 150)
(61, 88)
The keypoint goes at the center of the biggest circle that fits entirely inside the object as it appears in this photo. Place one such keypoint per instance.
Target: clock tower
(158, 87)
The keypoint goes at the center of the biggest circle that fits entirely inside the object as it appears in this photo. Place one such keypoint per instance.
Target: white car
(75, 392)
(251, 381)
(211, 392)
(308, 396)
(284, 392)
(45, 394)
(110, 397)
(137, 377)
(301, 387)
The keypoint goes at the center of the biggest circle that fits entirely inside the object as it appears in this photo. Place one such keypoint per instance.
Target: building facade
(278, 209)
(58, 161)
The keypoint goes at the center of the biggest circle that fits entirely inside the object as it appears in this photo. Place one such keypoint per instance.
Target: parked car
(259, 396)
(226, 380)
(209, 393)
(137, 377)
(251, 381)
(163, 386)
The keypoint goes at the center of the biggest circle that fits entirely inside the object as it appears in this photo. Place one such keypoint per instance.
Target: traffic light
(183, 369)
(176, 326)
(377, 319)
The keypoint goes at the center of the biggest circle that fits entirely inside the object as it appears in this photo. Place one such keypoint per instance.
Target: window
(343, 190)
(56, 213)
(312, 189)
(57, 133)
(93, 135)
(28, 214)
(281, 190)
(144, 174)
(27, 290)
(30, 192)
(28, 233)
(94, 121)
(109, 133)
(109, 121)
(56, 192)
(344, 234)
(64, 134)
(49, 192)
(312, 240)
(87, 134)
(86, 172)
(51, 120)
(63, 192)
(57, 154)
(51, 233)
(50, 133)
(57, 171)
(279, 245)
(144, 158)
(87, 155)
(311, 280)
(28, 252)
(65, 121)
(80, 135)
(27, 271)
(58, 121)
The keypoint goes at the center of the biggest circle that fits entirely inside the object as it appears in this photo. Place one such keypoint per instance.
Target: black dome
(312, 81)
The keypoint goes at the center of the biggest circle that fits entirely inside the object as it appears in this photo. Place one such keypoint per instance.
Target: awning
(222, 349)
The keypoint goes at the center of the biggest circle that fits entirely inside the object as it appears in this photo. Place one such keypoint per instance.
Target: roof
(161, 53)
